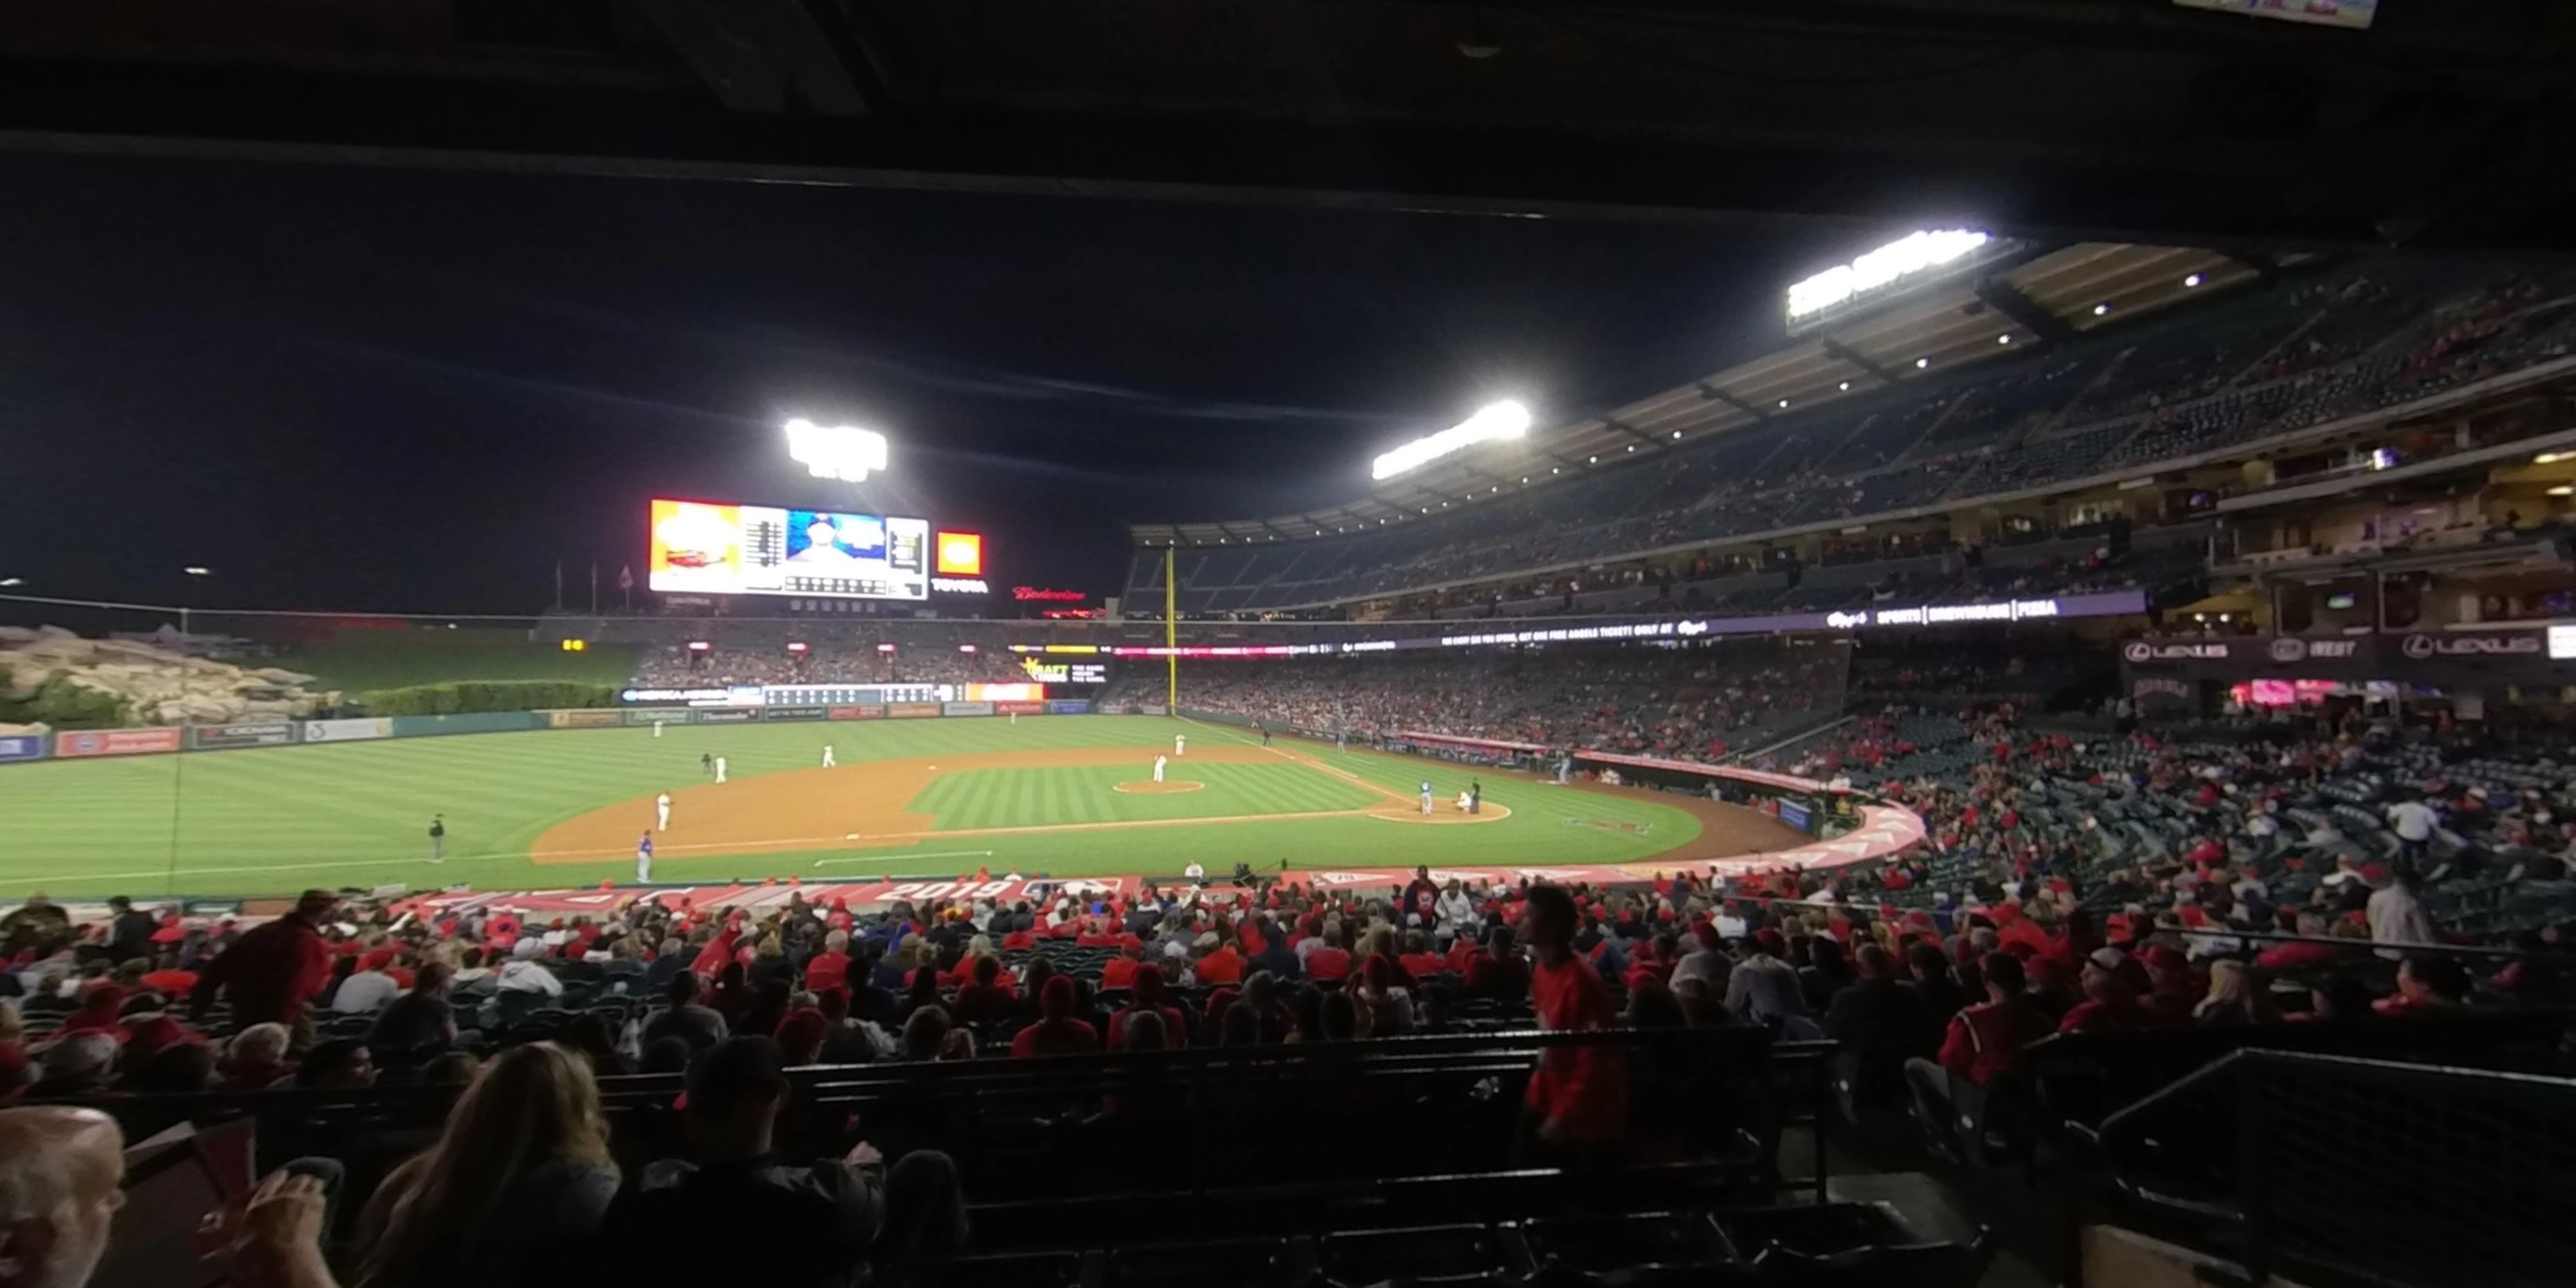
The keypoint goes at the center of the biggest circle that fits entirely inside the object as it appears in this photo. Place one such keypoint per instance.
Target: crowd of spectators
(2364, 337)
(1696, 702)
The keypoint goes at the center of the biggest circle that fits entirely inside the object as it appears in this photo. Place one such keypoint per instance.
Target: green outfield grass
(358, 660)
(984, 798)
(275, 820)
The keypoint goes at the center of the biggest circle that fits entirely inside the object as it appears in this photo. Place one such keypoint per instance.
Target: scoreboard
(726, 548)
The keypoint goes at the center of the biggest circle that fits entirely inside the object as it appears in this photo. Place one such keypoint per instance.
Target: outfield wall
(89, 744)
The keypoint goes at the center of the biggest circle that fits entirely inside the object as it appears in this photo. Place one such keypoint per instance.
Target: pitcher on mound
(1158, 768)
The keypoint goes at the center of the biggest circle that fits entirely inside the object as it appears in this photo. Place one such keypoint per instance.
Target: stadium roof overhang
(2116, 120)
(2007, 307)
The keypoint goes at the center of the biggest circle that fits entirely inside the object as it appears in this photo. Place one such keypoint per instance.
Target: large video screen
(716, 548)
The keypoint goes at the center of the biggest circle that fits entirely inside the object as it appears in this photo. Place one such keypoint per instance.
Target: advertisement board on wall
(584, 719)
(728, 715)
(872, 712)
(348, 730)
(966, 708)
(258, 733)
(911, 710)
(796, 713)
(1068, 707)
(22, 746)
(658, 715)
(719, 548)
(1019, 708)
(117, 742)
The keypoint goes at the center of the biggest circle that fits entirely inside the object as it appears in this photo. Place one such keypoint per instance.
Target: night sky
(395, 390)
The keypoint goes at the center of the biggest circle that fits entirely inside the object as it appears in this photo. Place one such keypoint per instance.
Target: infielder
(662, 812)
(657, 728)
(720, 769)
(828, 762)
(438, 838)
(1180, 743)
(1426, 797)
(644, 858)
(1158, 768)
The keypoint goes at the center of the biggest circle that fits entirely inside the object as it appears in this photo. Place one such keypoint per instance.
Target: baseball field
(1063, 795)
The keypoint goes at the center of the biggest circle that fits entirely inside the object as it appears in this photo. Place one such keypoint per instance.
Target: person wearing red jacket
(1149, 997)
(1983, 1042)
(1578, 1095)
(274, 971)
(1056, 1032)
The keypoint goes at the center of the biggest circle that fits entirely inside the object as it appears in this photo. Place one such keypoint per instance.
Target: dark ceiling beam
(772, 55)
(1844, 353)
(2003, 297)
(1613, 422)
(1715, 394)
(311, 117)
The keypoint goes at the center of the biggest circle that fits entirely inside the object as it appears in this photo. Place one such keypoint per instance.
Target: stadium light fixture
(2101, 310)
(2193, 280)
(1677, 434)
(1594, 461)
(2563, 489)
(1525, 478)
(1632, 447)
(1921, 363)
(2545, 458)
(1493, 421)
(1784, 404)
(195, 570)
(843, 452)
(1844, 386)
(1556, 469)
(1905, 257)
(2005, 338)
(7, 582)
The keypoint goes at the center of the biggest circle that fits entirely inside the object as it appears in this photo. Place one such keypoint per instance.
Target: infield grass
(273, 820)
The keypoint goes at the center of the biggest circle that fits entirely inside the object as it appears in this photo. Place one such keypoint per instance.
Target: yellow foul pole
(1171, 637)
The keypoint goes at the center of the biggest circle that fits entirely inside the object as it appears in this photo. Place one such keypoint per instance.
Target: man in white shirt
(523, 973)
(364, 993)
(2396, 915)
(2414, 822)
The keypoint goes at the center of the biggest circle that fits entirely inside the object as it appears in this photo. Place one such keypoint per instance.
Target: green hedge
(461, 696)
(63, 705)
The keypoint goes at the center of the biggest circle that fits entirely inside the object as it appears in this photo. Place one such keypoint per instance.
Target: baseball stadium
(856, 642)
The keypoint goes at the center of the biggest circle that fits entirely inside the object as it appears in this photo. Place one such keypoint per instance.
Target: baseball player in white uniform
(1158, 768)
(828, 762)
(662, 812)
(1180, 743)
(657, 728)
(1426, 796)
(720, 768)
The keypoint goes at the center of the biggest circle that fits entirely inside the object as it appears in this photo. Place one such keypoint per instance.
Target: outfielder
(657, 728)
(1180, 743)
(662, 812)
(828, 762)
(720, 766)
(644, 858)
(1158, 768)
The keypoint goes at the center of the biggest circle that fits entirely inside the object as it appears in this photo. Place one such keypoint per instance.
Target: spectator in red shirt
(1418, 960)
(1056, 1032)
(829, 970)
(1149, 999)
(2289, 957)
(1219, 964)
(2427, 985)
(1498, 972)
(1120, 971)
(1983, 1043)
(1578, 1095)
(1331, 963)
(167, 979)
(274, 971)
(987, 999)
(2111, 991)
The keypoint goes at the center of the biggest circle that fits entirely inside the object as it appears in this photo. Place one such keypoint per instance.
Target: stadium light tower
(843, 452)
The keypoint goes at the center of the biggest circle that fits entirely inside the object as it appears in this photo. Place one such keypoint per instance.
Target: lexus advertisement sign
(2497, 656)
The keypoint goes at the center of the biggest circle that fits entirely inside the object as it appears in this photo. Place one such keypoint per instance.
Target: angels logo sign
(1349, 878)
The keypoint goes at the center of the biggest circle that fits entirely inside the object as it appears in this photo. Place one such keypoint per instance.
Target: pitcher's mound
(1152, 788)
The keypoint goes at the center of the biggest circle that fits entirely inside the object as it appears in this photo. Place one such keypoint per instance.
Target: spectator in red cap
(275, 970)
(1056, 1032)
(2112, 982)
(1149, 999)
(1578, 1095)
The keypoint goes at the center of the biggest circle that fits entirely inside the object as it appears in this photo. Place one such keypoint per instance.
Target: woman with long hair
(517, 1181)
(2235, 998)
